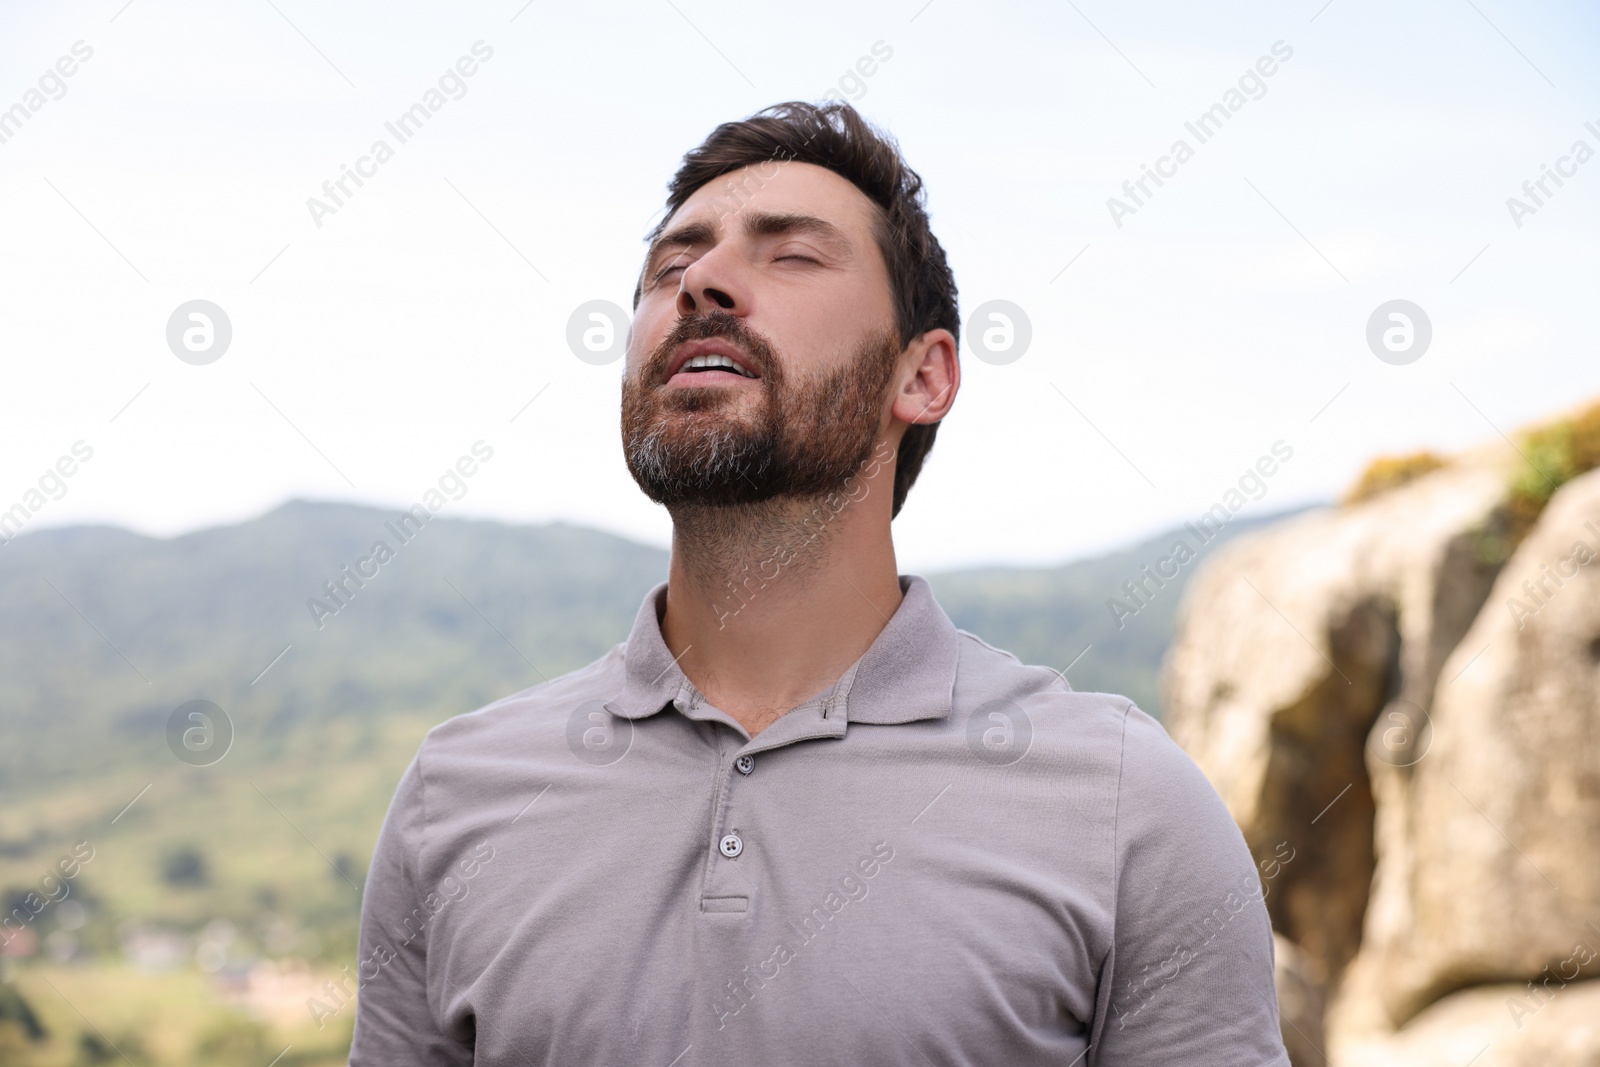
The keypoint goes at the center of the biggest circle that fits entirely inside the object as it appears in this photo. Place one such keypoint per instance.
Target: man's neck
(768, 604)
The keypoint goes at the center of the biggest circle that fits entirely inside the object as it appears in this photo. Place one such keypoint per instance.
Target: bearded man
(798, 817)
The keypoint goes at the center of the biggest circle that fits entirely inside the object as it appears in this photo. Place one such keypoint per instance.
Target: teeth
(718, 361)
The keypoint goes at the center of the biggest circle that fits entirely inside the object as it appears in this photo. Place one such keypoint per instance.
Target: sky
(1174, 336)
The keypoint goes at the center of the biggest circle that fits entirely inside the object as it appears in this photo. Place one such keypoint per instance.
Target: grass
(1557, 452)
(1391, 472)
(266, 831)
(111, 1013)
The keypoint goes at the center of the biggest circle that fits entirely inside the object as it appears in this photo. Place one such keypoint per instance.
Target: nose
(708, 297)
(715, 280)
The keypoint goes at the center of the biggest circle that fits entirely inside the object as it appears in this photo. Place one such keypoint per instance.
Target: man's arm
(1189, 977)
(395, 1021)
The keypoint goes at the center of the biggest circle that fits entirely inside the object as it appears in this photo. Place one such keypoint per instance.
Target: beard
(807, 435)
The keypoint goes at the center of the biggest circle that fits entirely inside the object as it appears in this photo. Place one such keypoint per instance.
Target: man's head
(797, 245)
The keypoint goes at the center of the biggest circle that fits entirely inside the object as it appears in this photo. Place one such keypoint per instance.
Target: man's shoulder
(512, 720)
(989, 675)
(1130, 742)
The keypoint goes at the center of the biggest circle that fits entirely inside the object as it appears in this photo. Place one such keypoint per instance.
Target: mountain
(293, 621)
(105, 632)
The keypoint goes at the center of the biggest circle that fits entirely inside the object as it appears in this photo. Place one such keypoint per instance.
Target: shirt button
(731, 846)
(746, 764)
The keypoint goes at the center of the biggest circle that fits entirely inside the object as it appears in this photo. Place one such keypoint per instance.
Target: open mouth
(708, 368)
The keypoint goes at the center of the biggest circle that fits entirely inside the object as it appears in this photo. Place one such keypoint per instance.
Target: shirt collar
(907, 674)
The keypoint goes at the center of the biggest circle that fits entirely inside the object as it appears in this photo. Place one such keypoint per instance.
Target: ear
(935, 376)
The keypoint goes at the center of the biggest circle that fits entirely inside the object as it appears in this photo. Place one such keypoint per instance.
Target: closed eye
(664, 271)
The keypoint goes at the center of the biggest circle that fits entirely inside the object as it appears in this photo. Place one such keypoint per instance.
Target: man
(797, 817)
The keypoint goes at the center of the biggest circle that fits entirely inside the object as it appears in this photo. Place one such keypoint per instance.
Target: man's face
(783, 277)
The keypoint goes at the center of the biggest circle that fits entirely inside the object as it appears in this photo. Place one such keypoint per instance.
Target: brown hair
(835, 136)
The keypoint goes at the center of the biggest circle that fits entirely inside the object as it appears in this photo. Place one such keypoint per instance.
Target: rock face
(1371, 685)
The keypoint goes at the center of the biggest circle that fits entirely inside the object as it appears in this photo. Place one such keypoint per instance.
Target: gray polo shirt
(946, 857)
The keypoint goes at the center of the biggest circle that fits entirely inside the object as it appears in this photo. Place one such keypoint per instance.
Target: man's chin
(695, 494)
(694, 459)
(702, 433)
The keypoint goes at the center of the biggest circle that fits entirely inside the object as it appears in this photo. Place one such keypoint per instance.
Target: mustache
(722, 326)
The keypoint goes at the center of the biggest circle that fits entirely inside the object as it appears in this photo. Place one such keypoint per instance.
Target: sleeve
(396, 1025)
(1189, 978)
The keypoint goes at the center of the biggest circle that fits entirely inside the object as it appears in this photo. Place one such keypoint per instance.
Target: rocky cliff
(1406, 690)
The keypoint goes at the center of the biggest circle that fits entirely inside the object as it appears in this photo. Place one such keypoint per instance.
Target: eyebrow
(756, 223)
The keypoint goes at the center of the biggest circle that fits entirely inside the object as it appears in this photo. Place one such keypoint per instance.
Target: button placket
(731, 844)
(723, 876)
